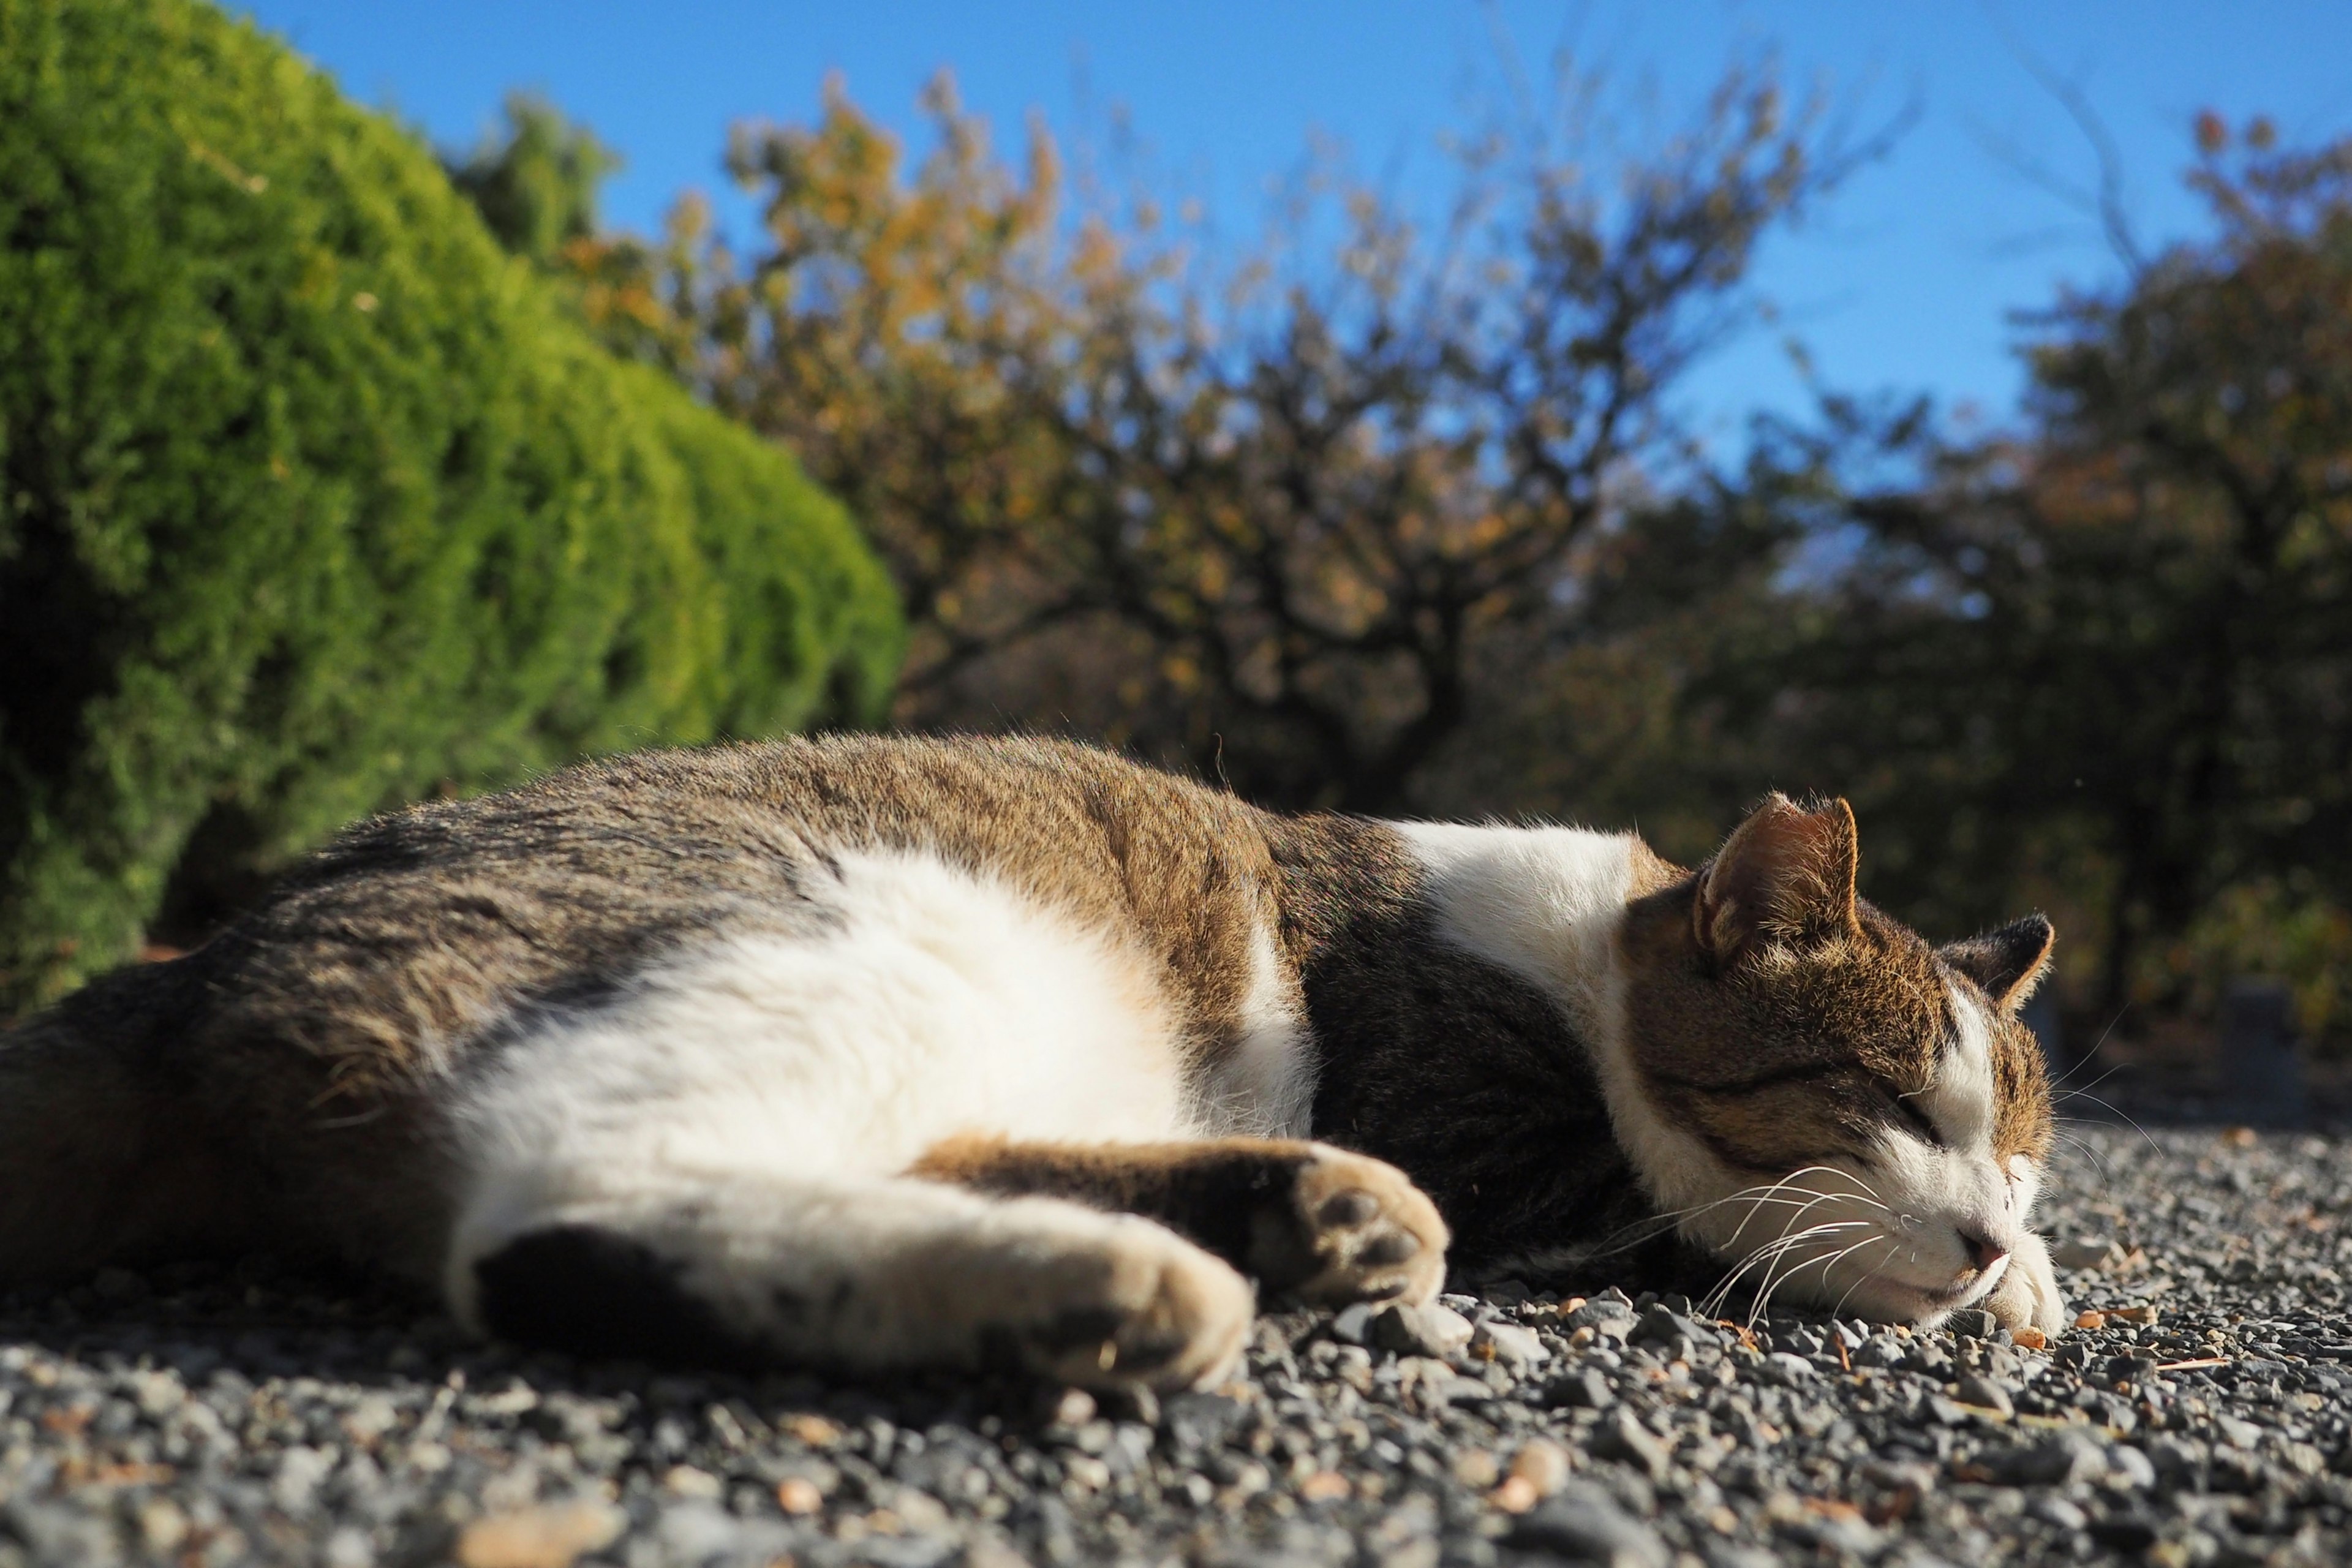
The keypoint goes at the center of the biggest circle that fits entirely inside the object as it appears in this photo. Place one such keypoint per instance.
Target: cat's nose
(1983, 1251)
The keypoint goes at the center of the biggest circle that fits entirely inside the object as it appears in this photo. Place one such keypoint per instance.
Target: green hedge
(313, 500)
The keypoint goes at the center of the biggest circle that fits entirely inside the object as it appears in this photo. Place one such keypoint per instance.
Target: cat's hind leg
(1305, 1219)
(855, 1274)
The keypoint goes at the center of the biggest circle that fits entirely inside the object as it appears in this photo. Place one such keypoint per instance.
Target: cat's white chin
(1922, 1307)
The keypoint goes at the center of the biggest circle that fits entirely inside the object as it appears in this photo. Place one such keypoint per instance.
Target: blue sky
(1905, 281)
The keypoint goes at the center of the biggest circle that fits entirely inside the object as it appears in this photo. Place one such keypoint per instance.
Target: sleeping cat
(877, 1053)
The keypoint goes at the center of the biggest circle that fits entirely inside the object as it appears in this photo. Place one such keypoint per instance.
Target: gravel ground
(233, 1415)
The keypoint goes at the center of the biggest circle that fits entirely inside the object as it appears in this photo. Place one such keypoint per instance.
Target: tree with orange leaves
(1288, 525)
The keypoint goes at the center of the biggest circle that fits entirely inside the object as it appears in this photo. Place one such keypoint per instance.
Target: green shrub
(313, 500)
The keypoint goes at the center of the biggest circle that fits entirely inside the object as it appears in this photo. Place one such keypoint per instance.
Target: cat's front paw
(1147, 1308)
(1351, 1228)
(2028, 1295)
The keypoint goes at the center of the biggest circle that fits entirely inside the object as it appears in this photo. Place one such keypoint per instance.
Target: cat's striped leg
(859, 1274)
(1305, 1218)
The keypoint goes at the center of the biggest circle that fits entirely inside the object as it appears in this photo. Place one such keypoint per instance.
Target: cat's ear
(2008, 962)
(1785, 874)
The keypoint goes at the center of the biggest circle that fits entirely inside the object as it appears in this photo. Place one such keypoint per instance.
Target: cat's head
(1840, 1112)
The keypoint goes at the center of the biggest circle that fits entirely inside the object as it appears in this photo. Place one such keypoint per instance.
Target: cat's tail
(102, 1158)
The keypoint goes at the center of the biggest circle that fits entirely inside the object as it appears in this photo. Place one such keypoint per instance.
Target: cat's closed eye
(1919, 1121)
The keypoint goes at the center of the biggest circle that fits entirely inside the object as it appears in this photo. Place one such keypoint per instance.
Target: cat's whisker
(2057, 1098)
(1802, 1209)
(1652, 1227)
(1759, 1193)
(2090, 1151)
(1828, 1264)
(1866, 1196)
(1773, 1283)
(1863, 1279)
(1776, 1248)
(1763, 1255)
(2126, 1119)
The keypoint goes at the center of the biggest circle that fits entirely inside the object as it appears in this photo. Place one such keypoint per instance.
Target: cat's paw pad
(1352, 1229)
(2027, 1296)
(1146, 1306)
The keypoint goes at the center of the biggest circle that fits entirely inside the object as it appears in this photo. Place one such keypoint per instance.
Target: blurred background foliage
(313, 500)
(1402, 518)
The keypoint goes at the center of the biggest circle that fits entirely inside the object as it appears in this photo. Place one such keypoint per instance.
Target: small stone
(1198, 1421)
(819, 1433)
(1986, 1394)
(1584, 1389)
(1608, 1315)
(2091, 1321)
(554, 1536)
(1424, 1330)
(2057, 1511)
(162, 1524)
(2084, 1253)
(2239, 1433)
(798, 1495)
(1507, 1343)
(1585, 1524)
(1973, 1324)
(370, 1418)
(2125, 1532)
(1544, 1466)
(685, 1481)
(1624, 1437)
(1325, 1486)
(1515, 1495)
(1782, 1367)
(1944, 1413)
(1475, 1468)
(2128, 1469)
(1353, 1325)
(988, 1552)
(1659, 1326)
(2060, 1460)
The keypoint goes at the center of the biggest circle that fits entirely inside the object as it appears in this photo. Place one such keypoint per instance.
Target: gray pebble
(1986, 1394)
(1585, 1523)
(2060, 1459)
(1511, 1345)
(1623, 1436)
(1586, 1389)
(1426, 1331)
(2051, 1508)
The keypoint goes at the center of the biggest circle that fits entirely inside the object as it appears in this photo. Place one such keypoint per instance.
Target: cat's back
(413, 934)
